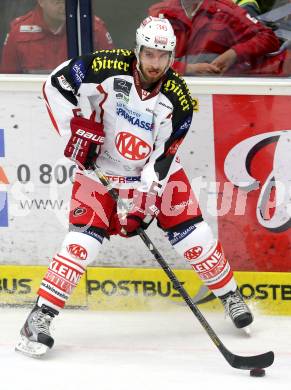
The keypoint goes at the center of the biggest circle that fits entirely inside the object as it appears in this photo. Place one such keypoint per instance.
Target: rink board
(19, 285)
(146, 289)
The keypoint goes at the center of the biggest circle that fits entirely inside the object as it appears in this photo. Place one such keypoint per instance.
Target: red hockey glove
(140, 216)
(84, 145)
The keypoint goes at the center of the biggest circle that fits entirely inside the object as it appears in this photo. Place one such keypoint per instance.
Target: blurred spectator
(251, 6)
(37, 41)
(218, 37)
(10, 9)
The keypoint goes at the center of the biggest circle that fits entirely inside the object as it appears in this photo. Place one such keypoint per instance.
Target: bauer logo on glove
(87, 135)
(85, 142)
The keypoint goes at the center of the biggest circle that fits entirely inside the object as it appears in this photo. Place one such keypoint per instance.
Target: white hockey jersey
(143, 128)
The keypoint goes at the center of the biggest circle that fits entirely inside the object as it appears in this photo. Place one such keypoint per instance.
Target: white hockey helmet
(156, 33)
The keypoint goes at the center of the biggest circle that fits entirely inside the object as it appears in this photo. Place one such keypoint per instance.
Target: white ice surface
(142, 351)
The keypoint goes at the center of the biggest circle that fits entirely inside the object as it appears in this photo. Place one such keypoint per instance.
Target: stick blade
(249, 362)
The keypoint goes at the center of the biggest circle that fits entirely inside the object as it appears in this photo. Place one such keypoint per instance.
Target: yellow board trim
(146, 289)
(19, 285)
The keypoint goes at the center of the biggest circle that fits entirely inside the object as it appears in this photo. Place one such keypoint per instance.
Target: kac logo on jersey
(193, 253)
(131, 146)
(3, 180)
(77, 251)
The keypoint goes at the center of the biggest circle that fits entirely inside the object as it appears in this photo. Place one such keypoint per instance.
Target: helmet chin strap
(136, 52)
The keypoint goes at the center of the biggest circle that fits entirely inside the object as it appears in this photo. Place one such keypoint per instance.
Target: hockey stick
(242, 362)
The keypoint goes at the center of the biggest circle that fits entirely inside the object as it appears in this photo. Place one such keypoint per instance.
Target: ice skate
(35, 338)
(237, 309)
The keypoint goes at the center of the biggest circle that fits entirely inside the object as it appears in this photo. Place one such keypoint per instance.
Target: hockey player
(141, 112)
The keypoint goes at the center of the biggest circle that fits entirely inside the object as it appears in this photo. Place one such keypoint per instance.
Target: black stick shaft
(236, 361)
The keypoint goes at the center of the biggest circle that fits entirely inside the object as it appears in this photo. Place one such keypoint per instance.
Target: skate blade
(31, 348)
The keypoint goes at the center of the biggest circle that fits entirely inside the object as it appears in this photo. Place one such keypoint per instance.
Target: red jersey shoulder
(223, 11)
(98, 21)
(99, 24)
(25, 19)
(28, 27)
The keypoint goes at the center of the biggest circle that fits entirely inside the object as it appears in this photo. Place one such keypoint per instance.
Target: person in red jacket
(218, 37)
(37, 41)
